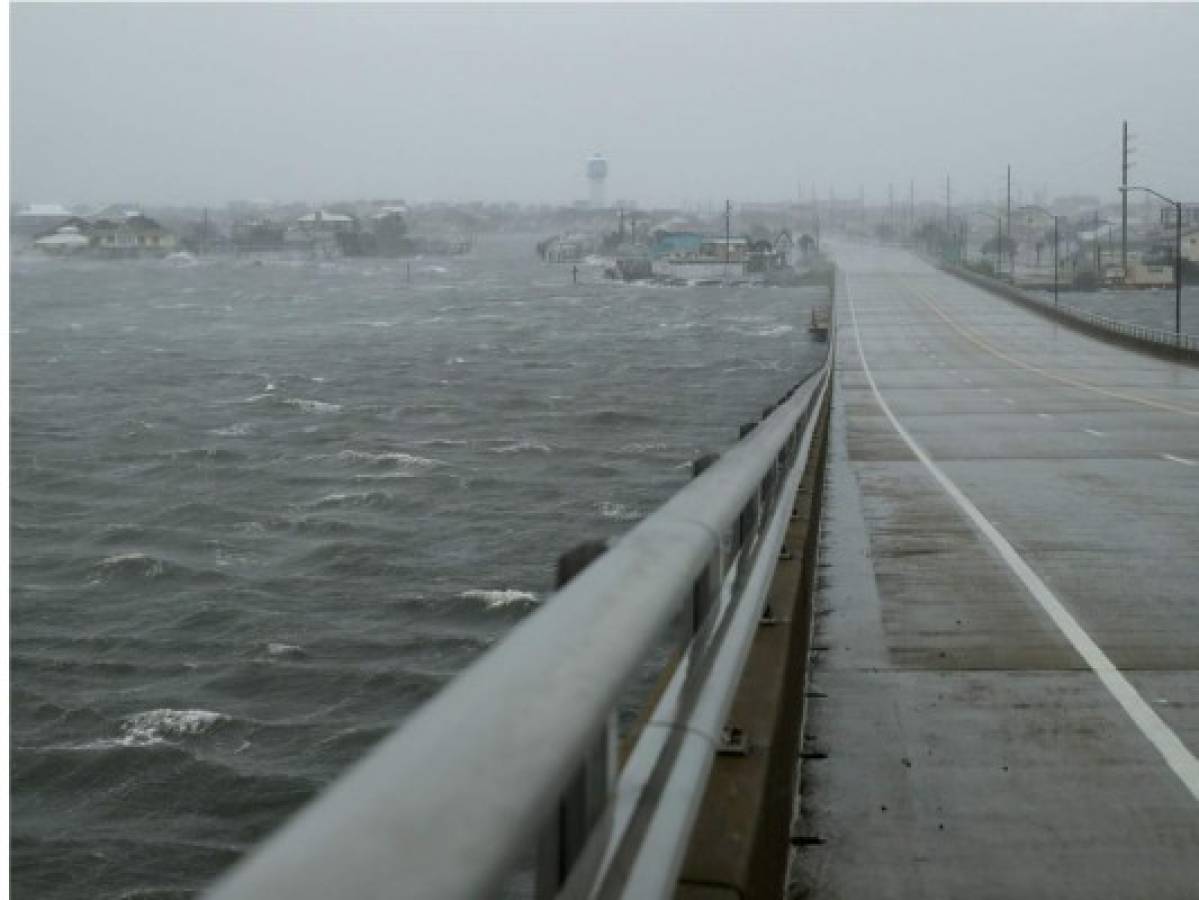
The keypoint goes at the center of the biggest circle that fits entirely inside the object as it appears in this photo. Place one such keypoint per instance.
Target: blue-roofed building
(677, 243)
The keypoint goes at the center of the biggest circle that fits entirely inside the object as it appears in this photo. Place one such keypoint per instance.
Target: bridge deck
(973, 749)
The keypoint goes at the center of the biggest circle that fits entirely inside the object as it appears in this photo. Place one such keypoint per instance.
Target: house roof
(136, 222)
(45, 209)
(326, 217)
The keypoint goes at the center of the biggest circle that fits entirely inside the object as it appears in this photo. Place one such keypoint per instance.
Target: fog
(208, 103)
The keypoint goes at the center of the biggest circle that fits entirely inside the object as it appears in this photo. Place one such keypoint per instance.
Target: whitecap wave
(522, 447)
(775, 330)
(498, 598)
(353, 498)
(400, 460)
(278, 648)
(645, 447)
(142, 564)
(619, 512)
(237, 429)
(313, 406)
(157, 725)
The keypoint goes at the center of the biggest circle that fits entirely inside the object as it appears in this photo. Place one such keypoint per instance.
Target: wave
(499, 598)
(354, 498)
(219, 454)
(288, 651)
(139, 566)
(313, 406)
(157, 725)
(394, 458)
(645, 447)
(130, 565)
(525, 446)
(764, 331)
(237, 429)
(619, 512)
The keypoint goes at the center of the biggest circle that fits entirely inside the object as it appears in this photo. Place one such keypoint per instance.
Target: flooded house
(135, 235)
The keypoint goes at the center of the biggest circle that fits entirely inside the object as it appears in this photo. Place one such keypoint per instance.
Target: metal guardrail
(1153, 335)
(1158, 336)
(519, 750)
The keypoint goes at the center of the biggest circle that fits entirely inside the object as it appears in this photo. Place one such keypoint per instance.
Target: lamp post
(1177, 251)
(1046, 212)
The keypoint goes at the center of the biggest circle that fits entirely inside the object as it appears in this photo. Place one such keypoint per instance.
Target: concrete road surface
(1007, 610)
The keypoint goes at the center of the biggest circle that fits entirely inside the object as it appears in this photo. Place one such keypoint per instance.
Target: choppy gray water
(1155, 308)
(259, 513)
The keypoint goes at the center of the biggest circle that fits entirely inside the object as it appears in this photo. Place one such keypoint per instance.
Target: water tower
(597, 173)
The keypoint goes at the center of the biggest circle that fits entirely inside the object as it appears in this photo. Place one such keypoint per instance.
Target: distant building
(137, 235)
(39, 218)
(324, 222)
(731, 249)
(258, 234)
(1190, 245)
(677, 243)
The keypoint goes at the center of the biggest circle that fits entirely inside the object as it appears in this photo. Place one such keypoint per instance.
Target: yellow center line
(1064, 379)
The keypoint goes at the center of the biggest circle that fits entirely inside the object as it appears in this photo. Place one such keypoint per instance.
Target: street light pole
(1177, 204)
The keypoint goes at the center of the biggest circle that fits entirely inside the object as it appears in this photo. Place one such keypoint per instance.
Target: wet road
(1008, 606)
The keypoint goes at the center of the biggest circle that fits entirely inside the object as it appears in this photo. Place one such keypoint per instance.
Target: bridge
(930, 629)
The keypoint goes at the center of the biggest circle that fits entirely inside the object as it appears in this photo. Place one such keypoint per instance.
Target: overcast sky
(210, 103)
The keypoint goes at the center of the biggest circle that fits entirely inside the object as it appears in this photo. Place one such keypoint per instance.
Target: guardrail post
(747, 522)
(585, 797)
(707, 586)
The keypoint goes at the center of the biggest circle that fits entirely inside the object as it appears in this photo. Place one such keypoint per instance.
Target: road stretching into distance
(1006, 680)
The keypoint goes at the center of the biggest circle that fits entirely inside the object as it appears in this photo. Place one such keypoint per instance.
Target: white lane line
(985, 390)
(1094, 432)
(1044, 416)
(1009, 401)
(1173, 750)
(1180, 459)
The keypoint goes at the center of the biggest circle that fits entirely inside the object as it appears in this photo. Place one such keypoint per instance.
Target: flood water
(261, 510)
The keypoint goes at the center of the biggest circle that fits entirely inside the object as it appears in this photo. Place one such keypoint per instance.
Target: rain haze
(852, 350)
(502, 103)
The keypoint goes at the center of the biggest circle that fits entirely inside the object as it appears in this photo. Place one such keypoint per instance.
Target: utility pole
(1007, 249)
(728, 235)
(912, 205)
(891, 207)
(947, 195)
(1178, 271)
(1124, 206)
